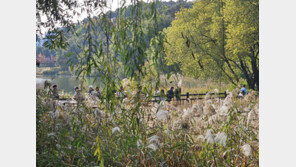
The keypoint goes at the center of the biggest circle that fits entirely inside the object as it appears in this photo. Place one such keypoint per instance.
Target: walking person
(55, 92)
(170, 94)
(178, 94)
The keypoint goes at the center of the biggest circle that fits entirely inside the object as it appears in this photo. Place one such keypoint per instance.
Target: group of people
(171, 93)
(177, 93)
(94, 92)
(77, 92)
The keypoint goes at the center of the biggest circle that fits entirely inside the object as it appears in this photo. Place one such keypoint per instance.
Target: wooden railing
(193, 96)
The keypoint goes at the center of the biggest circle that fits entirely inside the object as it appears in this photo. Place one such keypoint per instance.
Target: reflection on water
(66, 83)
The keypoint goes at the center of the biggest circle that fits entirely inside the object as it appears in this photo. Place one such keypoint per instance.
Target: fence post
(187, 97)
(225, 94)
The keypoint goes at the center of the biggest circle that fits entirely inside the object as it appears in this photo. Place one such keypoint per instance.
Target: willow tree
(123, 40)
(123, 36)
(217, 38)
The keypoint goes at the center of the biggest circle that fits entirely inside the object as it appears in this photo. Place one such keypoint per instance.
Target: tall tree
(242, 17)
(206, 40)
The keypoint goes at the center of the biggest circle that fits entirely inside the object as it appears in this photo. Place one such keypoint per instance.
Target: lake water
(66, 83)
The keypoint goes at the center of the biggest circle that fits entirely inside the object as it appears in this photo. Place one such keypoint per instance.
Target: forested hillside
(166, 14)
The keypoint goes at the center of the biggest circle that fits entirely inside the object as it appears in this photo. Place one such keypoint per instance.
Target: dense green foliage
(76, 39)
(217, 38)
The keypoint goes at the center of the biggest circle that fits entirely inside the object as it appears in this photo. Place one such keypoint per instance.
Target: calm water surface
(66, 83)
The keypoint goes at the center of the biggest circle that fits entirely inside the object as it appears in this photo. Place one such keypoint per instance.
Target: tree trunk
(251, 83)
(249, 76)
(255, 70)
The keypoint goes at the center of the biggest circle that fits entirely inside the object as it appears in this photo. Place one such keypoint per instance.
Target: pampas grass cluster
(210, 131)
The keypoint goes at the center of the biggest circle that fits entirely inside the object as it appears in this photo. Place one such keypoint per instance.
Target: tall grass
(211, 132)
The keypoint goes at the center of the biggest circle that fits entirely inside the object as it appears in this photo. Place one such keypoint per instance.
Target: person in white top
(157, 93)
(91, 90)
